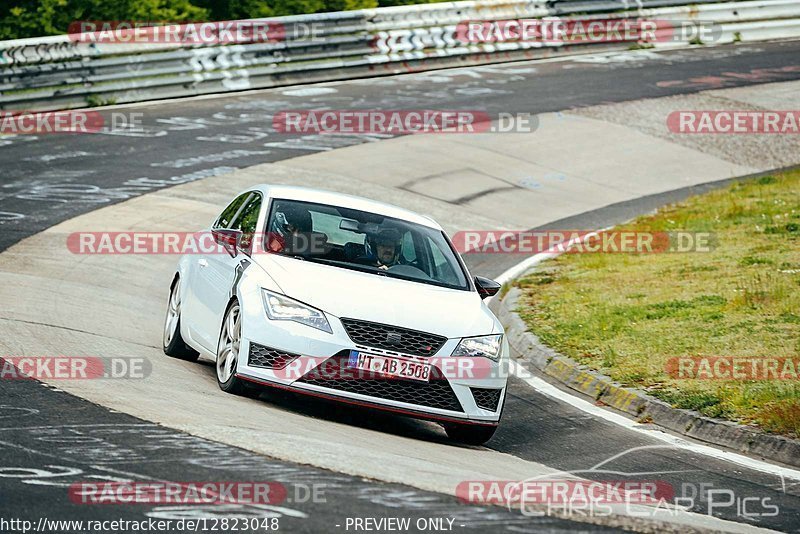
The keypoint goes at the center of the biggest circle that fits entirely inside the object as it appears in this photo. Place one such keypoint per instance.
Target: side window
(438, 257)
(441, 267)
(248, 218)
(407, 250)
(247, 222)
(226, 217)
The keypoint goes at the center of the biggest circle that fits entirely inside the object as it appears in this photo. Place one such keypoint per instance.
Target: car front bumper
(292, 356)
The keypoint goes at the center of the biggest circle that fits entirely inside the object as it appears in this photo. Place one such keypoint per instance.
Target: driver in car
(384, 249)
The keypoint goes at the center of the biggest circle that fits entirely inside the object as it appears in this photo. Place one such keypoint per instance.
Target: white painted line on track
(551, 391)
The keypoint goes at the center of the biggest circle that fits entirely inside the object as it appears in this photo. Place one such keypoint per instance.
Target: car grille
(487, 398)
(268, 358)
(333, 373)
(393, 338)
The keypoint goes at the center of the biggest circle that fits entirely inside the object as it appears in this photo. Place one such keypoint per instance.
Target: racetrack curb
(644, 408)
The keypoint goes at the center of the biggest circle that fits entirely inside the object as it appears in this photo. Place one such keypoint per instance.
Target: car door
(211, 279)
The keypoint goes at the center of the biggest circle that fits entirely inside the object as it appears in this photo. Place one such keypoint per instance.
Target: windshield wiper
(355, 267)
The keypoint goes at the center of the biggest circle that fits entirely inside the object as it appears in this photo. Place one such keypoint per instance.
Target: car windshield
(362, 241)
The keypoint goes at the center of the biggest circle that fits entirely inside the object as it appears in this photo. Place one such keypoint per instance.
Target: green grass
(626, 315)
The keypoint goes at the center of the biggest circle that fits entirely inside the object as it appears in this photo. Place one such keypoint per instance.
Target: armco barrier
(61, 72)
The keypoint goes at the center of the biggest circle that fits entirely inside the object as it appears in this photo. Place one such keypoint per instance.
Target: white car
(344, 298)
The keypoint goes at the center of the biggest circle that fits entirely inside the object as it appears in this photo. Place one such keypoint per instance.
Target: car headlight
(282, 308)
(486, 346)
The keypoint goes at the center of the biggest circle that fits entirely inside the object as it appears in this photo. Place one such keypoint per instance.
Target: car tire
(470, 434)
(172, 342)
(230, 336)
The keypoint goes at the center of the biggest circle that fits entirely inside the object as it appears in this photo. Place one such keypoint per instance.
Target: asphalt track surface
(51, 440)
(52, 178)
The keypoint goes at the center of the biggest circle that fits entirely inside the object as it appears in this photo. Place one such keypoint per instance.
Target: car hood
(380, 299)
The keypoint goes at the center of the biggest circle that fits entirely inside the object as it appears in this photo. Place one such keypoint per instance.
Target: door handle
(202, 263)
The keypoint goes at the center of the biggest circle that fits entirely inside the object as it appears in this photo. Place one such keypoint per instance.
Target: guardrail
(62, 72)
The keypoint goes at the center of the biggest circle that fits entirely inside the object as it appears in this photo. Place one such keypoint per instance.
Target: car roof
(331, 198)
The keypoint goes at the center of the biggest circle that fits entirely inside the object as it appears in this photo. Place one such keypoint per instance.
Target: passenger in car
(294, 235)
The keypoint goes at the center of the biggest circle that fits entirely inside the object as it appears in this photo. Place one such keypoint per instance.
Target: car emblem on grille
(393, 338)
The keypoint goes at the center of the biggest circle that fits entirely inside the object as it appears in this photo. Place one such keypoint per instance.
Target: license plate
(394, 367)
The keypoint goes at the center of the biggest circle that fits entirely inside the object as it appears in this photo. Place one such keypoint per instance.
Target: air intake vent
(268, 358)
(486, 398)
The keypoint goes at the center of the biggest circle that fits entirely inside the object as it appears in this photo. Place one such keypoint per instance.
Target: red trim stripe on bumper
(345, 400)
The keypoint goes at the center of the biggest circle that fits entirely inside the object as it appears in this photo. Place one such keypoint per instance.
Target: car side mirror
(229, 239)
(486, 287)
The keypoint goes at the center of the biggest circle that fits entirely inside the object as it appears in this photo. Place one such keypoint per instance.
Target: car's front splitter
(333, 396)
